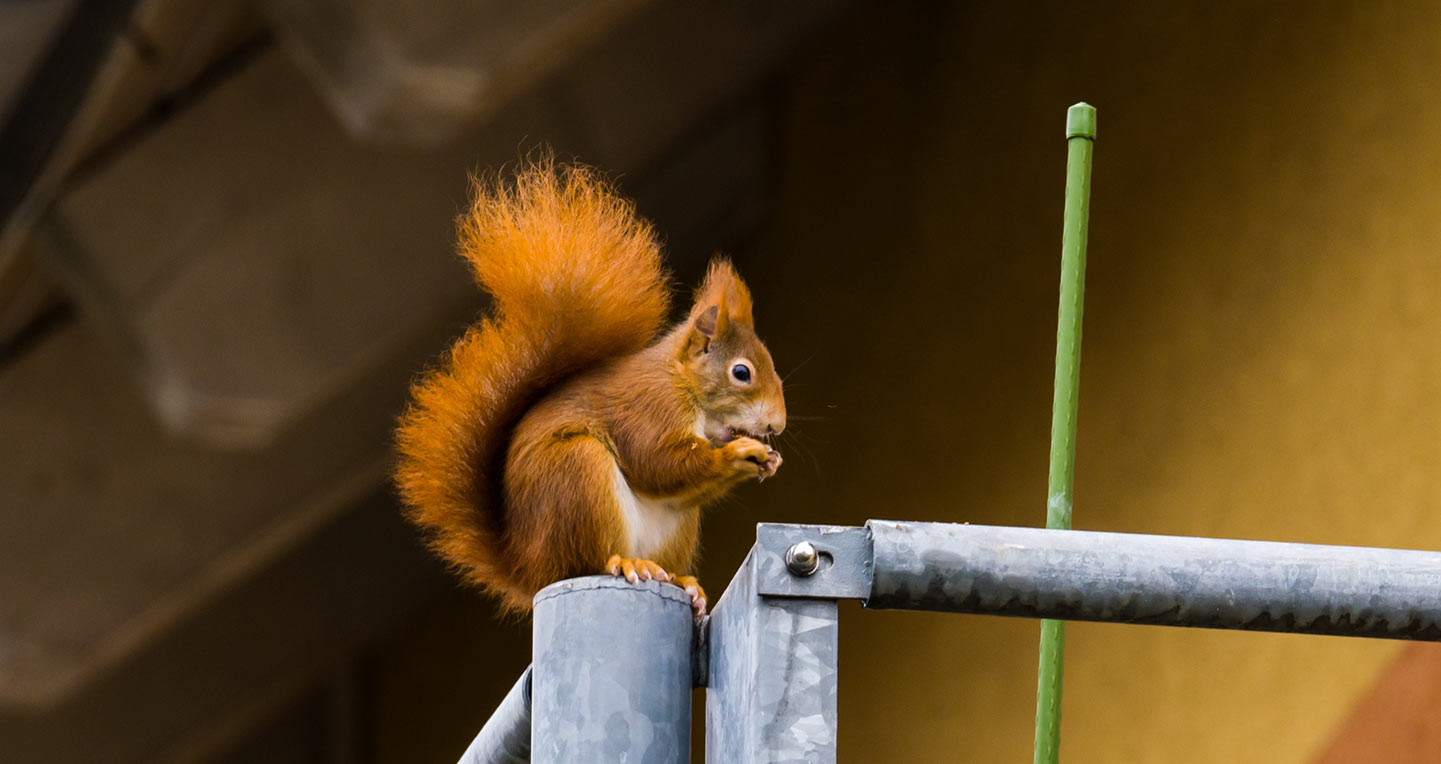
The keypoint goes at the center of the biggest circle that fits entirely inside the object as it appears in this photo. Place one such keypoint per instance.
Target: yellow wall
(1262, 355)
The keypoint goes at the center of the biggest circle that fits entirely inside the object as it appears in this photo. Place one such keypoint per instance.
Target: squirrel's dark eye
(741, 372)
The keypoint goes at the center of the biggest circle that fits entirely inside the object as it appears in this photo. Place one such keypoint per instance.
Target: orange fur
(553, 436)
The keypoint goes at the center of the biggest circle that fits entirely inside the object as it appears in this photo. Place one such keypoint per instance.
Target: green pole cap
(1081, 121)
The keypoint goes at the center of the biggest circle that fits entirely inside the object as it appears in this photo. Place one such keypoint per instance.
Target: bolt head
(802, 558)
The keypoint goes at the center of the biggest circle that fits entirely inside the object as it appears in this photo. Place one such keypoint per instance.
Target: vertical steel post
(611, 673)
(1080, 136)
(771, 689)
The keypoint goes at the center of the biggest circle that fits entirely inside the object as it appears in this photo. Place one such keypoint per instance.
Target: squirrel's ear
(704, 328)
(708, 321)
(723, 288)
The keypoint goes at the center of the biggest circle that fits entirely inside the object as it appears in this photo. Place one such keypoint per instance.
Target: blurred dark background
(227, 248)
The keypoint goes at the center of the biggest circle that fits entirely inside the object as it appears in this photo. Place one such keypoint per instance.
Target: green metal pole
(1080, 139)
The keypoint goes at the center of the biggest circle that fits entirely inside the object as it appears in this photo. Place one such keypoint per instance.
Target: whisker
(797, 367)
(807, 455)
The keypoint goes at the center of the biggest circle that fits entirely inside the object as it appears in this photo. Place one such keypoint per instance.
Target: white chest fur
(649, 522)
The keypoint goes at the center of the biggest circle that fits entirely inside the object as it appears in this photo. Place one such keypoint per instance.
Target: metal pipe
(1161, 580)
(505, 738)
(612, 672)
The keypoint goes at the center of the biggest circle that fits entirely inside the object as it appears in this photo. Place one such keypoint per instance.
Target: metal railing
(614, 662)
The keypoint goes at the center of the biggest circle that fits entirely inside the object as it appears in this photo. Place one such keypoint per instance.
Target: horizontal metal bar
(1160, 580)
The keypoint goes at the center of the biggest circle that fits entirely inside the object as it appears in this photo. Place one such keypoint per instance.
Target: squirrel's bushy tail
(576, 279)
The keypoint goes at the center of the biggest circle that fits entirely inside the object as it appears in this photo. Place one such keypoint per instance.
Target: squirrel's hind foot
(697, 595)
(635, 571)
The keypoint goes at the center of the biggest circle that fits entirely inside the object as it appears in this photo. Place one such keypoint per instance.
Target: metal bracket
(772, 686)
(844, 570)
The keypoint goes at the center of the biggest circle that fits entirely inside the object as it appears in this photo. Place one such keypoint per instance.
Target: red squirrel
(563, 435)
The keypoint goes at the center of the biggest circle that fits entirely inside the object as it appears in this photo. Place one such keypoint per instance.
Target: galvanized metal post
(771, 689)
(612, 673)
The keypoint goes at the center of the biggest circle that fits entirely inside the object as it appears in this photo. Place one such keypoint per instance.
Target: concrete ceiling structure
(226, 247)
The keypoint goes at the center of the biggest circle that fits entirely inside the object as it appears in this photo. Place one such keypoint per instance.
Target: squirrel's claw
(771, 464)
(697, 595)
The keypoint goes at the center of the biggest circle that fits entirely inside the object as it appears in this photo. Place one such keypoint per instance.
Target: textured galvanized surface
(1164, 580)
(845, 564)
(772, 686)
(612, 673)
(505, 738)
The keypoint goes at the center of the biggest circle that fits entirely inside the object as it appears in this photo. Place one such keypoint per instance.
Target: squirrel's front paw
(747, 453)
(771, 464)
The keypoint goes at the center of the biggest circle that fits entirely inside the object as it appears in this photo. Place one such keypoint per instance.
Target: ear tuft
(723, 287)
